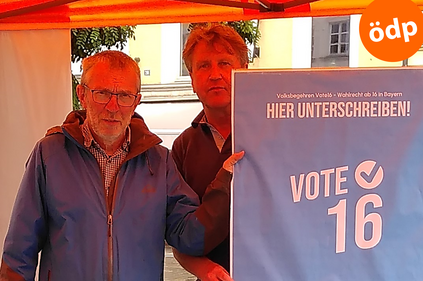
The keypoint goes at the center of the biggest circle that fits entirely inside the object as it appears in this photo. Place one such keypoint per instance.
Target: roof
(56, 14)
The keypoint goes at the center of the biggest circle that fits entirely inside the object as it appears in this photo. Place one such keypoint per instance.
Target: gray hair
(116, 59)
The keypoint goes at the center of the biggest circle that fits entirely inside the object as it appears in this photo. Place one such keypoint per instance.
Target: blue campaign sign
(331, 185)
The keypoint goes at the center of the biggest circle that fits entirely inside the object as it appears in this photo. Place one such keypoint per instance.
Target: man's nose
(113, 105)
(215, 72)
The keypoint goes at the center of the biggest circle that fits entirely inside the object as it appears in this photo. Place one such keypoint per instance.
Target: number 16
(360, 221)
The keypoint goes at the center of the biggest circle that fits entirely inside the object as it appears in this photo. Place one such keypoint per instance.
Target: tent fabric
(35, 87)
(56, 14)
(35, 80)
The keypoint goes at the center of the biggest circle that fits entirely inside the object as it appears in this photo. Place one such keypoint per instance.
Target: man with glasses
(99, 195)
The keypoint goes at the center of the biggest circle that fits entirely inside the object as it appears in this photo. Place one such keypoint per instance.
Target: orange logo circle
(392, 30)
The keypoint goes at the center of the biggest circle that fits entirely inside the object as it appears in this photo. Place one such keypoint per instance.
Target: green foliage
(88, 41)
(248, 30)
(75, 101)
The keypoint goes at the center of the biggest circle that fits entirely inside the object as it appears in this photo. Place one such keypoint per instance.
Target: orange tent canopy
(54, 14)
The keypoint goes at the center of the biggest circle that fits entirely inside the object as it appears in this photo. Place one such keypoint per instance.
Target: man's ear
(80, 92)
(138, 100)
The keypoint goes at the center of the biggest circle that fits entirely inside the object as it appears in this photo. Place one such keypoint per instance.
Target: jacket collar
(141, 137)
(198, 119)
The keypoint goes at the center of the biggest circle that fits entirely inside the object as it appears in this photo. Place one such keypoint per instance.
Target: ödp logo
(392, 30)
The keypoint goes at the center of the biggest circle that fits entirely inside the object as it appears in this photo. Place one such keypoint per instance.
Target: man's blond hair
(212, 33)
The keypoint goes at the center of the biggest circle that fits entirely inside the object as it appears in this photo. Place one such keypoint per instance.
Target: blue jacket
(61, 210)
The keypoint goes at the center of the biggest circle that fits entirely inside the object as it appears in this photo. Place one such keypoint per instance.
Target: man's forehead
(106, 70)
(106, 66)
(103, 74)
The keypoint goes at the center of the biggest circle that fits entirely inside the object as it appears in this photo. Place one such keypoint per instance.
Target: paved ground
(173, 271)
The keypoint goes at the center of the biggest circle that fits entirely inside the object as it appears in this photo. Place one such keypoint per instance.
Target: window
(330, 41)
(414, 60)
(339, 38)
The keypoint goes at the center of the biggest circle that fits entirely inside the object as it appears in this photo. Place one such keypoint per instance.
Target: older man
(210, 54)
(99, 195)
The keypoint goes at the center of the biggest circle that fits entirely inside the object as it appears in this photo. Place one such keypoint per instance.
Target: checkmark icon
(366, 168)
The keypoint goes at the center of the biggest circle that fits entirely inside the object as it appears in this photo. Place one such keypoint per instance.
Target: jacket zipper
(110, 246)
(110, 208)
(107, 194)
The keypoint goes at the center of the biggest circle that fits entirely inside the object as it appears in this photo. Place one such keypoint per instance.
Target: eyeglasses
(104, 96)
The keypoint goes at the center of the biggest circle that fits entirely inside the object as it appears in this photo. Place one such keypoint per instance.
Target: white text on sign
(366, 177)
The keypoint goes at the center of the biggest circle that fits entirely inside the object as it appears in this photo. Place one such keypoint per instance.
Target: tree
(88, 41)
(248, 30)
